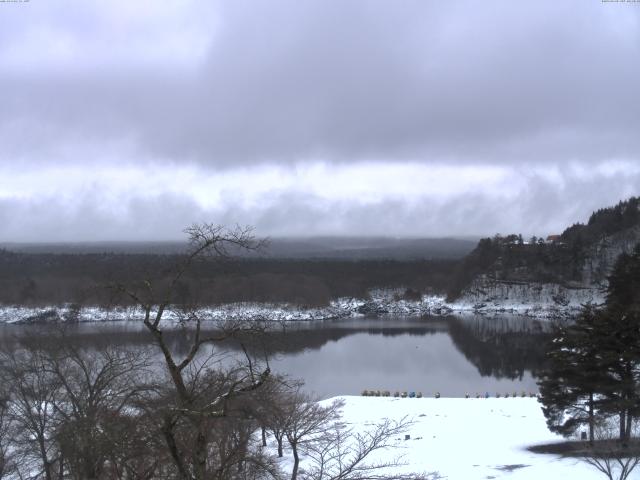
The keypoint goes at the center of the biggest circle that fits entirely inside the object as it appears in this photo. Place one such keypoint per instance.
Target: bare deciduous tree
(95, 388)
(67, 404)
(200, 393)
(611, 456)
(274, 409)
(342, 454)
(305, 420)
(32, 395)
(333, 452)
(7, 455)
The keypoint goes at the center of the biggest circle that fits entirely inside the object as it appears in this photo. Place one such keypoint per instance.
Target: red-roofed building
(553, 239)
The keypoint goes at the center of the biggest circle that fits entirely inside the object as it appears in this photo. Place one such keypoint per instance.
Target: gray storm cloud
(287, 81)
(233, 86)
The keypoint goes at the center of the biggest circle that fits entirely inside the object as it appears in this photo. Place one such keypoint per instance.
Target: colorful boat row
(397, 394)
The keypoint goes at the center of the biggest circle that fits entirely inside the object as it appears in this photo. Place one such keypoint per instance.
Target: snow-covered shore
(380, 302)
(467, 439)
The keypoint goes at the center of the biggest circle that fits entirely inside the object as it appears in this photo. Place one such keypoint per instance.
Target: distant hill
(500, 273)
(336, 248)
(85, 248)
(365, 248)
(581, 257)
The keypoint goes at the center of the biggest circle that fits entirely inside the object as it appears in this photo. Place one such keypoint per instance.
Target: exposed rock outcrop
(540, 299)
(603, 254)
(490, 294)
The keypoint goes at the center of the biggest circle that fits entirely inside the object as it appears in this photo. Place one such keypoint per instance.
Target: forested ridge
(28, 278)
(560, 259)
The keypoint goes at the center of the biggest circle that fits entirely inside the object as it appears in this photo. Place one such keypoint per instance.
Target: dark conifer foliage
(594, 364)
(606, 221)
(624, 284)
(46, 279)
(572, 385)
(512, 259)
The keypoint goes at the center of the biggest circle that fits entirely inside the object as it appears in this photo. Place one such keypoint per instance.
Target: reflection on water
(453, 355)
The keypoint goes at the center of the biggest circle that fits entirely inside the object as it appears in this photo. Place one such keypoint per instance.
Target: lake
(451, 355)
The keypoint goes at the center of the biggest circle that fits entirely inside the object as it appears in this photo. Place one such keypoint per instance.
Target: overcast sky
(129, 120)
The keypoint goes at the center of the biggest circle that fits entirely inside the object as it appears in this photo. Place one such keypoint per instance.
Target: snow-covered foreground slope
(467, 439)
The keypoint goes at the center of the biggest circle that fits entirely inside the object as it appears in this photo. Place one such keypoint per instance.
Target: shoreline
(383, 302)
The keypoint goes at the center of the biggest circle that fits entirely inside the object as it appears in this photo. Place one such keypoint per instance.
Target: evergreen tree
(619, 341)
(616, 354)
(570, 385)
(594, 364)
(623, 294)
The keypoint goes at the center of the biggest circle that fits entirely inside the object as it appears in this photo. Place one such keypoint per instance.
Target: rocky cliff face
(486, 293)
(603, 254)
(489, 295)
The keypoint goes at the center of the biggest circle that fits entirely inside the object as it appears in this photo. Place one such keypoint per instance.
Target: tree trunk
(627, 394)
(61, 467)
(88, 462)
(200, 455)
(90, 474)
(167, 431)
(45, 460)
(264, 437)
(243, 453)
(279, 447)
(174, 371)
(47, 470)
(591, 419)
(623, 424)
(296, 462)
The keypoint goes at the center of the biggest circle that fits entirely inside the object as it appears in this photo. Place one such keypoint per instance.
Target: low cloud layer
(413, 200)
(329, 117)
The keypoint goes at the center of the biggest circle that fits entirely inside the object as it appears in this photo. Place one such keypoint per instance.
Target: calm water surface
(453, 355)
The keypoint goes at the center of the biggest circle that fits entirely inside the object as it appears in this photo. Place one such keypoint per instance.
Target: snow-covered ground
(236, 311)
(467, 439)
(380, 302)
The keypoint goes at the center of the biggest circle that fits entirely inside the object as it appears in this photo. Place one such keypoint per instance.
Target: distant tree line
(606, 221)
(46, 279)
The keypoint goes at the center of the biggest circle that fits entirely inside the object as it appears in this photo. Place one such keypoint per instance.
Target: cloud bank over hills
(130, 121)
